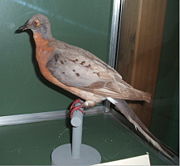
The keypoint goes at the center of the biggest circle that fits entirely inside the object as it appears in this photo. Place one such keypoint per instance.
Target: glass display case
(139, 38)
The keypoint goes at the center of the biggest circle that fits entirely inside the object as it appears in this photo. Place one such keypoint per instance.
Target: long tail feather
(123, 107)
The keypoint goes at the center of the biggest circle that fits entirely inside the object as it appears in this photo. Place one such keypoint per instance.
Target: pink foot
(77, 105)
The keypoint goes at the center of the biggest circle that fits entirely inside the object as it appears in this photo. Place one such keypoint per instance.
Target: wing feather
(79, 68)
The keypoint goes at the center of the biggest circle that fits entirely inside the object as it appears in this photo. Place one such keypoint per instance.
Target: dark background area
(165, 120)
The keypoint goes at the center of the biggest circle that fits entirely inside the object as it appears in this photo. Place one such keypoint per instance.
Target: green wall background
(83, 23)
(165, 121)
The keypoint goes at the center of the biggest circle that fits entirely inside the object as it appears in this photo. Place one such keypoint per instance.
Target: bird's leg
(89, 103)
(77, 105)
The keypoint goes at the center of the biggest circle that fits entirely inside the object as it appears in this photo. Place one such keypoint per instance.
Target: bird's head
(38, 23)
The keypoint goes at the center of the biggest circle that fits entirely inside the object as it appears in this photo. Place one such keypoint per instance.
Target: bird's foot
(89, 103)
(77, 105)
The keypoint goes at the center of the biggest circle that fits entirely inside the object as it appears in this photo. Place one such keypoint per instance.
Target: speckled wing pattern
(79, 68)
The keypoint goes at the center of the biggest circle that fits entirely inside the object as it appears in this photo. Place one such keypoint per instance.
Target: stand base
(62, 156)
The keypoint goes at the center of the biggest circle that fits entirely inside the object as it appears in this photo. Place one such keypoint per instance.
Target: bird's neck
(40, 40)
(42, 48)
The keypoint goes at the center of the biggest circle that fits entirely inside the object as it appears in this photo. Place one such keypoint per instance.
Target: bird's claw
(77, 105)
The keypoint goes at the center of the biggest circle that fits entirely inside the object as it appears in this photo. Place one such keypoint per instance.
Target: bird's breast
(43, 53)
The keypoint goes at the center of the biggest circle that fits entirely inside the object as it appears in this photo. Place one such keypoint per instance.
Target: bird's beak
(23, 28)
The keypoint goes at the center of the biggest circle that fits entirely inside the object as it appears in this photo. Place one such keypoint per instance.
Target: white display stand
(75, 154)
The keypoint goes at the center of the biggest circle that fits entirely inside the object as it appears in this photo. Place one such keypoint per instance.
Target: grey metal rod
(114, 32)
(76, 122)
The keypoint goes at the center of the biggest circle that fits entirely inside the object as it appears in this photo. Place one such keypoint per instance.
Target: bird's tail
(123, 107)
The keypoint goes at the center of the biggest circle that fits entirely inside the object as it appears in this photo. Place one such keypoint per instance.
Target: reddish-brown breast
(43, 53)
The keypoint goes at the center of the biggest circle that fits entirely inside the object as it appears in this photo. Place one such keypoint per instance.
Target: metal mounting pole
(114, 36)
(75, 153)
(76, 123)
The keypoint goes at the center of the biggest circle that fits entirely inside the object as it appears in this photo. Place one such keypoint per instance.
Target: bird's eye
(36, 23)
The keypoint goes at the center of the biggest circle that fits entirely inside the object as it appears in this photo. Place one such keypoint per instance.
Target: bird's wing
(79, 68)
